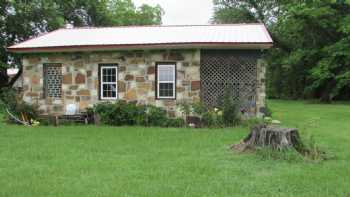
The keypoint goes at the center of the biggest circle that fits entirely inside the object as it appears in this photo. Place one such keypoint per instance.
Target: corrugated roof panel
(150, 35)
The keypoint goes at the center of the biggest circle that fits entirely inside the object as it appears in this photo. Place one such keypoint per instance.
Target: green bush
(199, 108)
(122, 113)
(8, 98)
(185, 107)
(175, 122)
(212, 118)
(155, 116)
(230, 110)
(267, 111)
(251, 122)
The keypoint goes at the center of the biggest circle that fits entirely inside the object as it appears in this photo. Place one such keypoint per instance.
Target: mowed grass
(136, 161)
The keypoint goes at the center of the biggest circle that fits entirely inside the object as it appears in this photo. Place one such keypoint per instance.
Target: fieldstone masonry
(136, 78)
(261, 88)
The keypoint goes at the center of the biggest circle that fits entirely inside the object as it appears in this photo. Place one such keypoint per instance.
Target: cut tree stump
(270, 136)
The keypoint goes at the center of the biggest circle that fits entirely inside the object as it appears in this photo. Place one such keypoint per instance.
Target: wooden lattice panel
(232, 69)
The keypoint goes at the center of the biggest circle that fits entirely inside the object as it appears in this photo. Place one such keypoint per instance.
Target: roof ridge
(140, 26)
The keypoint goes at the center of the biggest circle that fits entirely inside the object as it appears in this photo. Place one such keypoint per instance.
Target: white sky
(183, 12)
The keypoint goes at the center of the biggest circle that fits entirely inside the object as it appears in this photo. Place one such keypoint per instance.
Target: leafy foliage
(230, 110)
(156, 116)
(175, 122)
(122, 113)
(20, 20)
(212, 118)
(311, 57)
(8, 98)
(233, 15)
(20, 109)
(247, 11)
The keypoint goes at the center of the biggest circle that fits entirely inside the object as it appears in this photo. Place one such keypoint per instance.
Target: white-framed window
(108, 81)
(166, 80)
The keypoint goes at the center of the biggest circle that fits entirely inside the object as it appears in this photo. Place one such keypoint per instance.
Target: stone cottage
(157, 65)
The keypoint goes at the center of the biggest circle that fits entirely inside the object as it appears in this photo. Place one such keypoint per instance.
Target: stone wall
(136, 78)
(261, 88)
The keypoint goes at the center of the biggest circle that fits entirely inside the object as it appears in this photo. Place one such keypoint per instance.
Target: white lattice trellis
(225, 69)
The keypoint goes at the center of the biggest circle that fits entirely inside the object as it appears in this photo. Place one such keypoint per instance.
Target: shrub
(212, 118)
(251, 122)
(155, 116)
(8, 98)
(199, 108)
(267, 111)
(185, 107)
(90, 114)
(230, 110)
(120, 113)
(175, 122)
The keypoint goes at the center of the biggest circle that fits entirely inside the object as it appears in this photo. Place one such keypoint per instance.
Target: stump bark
(270, 136)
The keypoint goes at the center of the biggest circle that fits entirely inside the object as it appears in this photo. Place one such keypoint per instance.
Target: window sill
(165, 98)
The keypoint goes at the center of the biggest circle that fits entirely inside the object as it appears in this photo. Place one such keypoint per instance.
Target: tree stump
(270, 136)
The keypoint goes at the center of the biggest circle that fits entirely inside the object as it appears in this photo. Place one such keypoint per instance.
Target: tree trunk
(14, 79)
(3, 77)
(270, 136)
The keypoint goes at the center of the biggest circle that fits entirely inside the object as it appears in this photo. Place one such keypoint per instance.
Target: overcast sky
(183, 12)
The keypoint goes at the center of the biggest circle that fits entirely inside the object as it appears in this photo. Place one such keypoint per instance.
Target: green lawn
(128, 161)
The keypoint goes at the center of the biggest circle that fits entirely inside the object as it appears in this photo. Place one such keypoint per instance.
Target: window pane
(113, 72)
(166, 89)
(166, 72)
(113, 91)
(109, 75)
(109, 90)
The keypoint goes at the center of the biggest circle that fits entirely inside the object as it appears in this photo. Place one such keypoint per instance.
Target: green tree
(247, 11)
(124, 12)
(23, 19)
(310, 58)
(315, 63)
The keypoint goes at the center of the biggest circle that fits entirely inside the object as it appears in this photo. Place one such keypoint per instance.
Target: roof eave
(87, 48)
